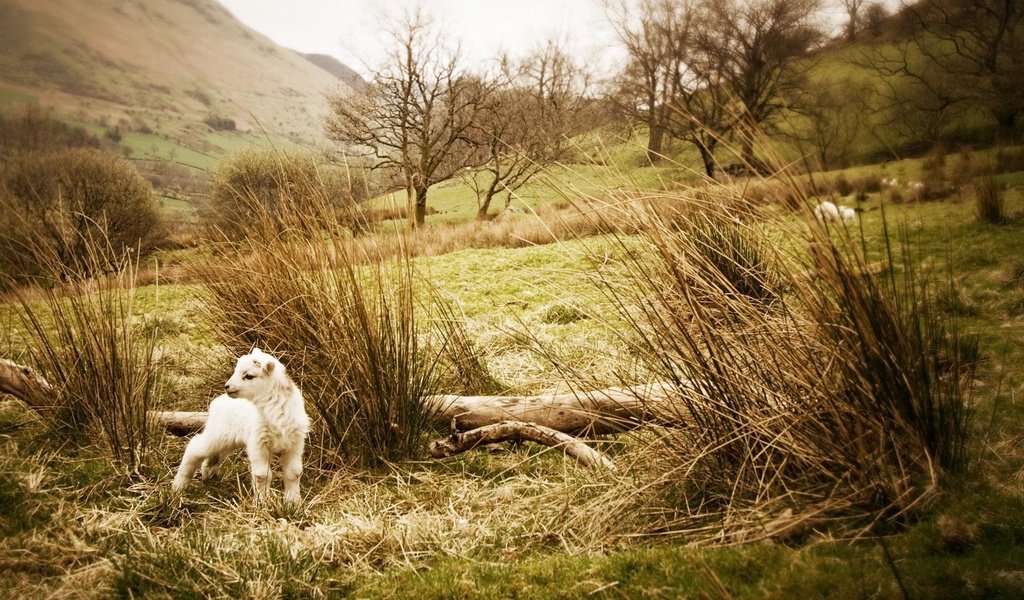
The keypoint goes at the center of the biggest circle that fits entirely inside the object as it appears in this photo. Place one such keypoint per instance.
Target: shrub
(990, 204)
(1010, 160)
(252, 184)
(218, 123)
(85, 340)
(846, 393)
(342, 317)
(842, 185)
(933, 167)
(54, 204)
(36, 131)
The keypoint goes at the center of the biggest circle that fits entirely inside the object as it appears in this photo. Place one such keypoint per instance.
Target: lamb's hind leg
(211, 466)
(291, 467)
(195, 452)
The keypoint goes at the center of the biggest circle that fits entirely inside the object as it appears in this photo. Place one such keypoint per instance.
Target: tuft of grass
(342, 317)
(85, 340)
(990, 204)
(842, 396)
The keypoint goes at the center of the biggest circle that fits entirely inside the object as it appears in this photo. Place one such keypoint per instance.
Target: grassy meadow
(520, 520)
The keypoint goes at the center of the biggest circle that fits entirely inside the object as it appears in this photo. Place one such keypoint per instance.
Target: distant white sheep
(916, 189)
(890, 182)
(261, 411)
(830, 212)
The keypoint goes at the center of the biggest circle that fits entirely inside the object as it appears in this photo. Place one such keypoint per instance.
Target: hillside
(337, 68)
(174, 69)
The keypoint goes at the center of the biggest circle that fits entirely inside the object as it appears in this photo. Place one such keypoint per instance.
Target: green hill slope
(175, 69)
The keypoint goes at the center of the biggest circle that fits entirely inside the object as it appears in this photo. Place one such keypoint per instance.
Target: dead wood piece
(596, 412)
(517, 431)
(179, 423)
(24, 384)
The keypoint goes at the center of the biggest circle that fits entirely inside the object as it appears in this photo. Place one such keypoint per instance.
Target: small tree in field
(415, 117)
(526, 123)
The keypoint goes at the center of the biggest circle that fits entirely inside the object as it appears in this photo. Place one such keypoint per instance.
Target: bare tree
(853, 14)
(758, 42)
(526, 123)
(415, 116)
(824, 121)
(980, 45)
(655, 35)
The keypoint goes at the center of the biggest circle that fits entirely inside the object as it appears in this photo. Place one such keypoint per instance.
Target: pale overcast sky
(350, 30)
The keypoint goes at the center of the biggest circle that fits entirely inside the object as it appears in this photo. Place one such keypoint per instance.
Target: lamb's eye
(248, 377)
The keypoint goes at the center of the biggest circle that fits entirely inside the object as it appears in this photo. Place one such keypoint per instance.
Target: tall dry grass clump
(350, 321)
(989, 200)
(805, 382)
(85, 339)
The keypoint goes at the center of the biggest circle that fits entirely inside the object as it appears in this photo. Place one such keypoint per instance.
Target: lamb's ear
(268, 368)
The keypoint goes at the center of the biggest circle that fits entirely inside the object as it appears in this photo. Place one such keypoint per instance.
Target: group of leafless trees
(701, 72)
(425, 118)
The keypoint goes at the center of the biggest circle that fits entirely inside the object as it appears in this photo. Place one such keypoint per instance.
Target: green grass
(15, 97)
(515, 522)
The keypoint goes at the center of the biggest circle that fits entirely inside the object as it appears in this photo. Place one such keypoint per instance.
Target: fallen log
(516, 431)
(586, 413)
(595, 412)
(24, 384)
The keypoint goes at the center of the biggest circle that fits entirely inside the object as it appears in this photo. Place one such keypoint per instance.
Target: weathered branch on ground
(596, 412)
(24, 384)
(179, 423)
(517, 431)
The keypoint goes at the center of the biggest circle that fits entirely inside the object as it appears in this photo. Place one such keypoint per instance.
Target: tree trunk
(655, 141)
(707, 157)
(418, 213)
(492, 190)
(1006, 124)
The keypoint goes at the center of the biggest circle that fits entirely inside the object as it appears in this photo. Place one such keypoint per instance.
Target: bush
(54, 204)
(86, 341)
(35, 131)
(218, 123)
(989, 202)
(344, 319)
(1010, 160)
(256, 182)
(847, 392)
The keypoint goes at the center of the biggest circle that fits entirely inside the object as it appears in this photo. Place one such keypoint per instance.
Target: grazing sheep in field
(830, 212)
(261, 411)
(916, 189)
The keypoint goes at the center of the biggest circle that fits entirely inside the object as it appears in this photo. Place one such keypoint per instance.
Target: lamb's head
(255, 377)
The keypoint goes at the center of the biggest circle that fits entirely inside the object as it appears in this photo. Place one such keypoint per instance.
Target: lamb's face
(253, 376)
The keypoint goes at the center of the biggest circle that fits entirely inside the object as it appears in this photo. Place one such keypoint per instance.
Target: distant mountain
(175, 68)
(335, 67)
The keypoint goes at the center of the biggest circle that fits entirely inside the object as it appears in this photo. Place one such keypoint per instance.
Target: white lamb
(261, 411)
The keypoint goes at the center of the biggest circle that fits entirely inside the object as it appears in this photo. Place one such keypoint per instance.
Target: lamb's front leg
(291, 467)
(259, 464)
